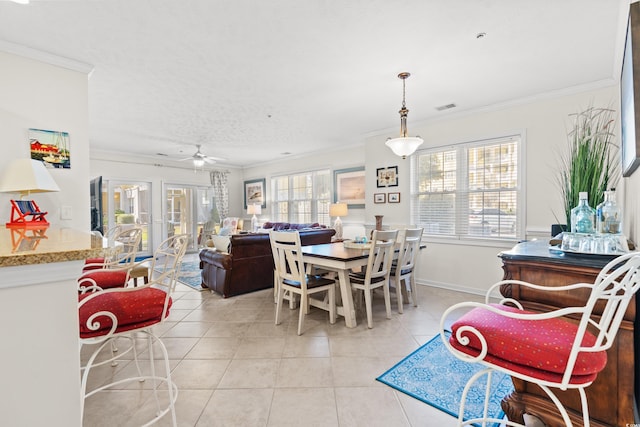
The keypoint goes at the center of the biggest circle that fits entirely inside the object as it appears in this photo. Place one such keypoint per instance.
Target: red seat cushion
(96, 263)
(107, 279)
(133, 310)
(538, 348)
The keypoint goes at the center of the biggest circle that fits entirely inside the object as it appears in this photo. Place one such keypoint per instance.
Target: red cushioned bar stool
(106, 315)
(543, 348)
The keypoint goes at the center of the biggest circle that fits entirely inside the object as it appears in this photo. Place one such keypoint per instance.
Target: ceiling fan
(199, 158)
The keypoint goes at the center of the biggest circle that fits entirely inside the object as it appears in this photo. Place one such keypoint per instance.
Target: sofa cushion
(221, 243)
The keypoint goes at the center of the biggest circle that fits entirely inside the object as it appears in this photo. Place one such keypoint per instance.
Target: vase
(379, 222)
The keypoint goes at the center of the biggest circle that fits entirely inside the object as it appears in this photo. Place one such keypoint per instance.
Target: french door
(128, 204)
(187, 209)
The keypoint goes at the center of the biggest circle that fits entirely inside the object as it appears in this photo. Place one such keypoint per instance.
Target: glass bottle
(583, 216)
(609, 215)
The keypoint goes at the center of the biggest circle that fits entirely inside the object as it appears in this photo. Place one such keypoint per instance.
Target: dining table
(336, 257)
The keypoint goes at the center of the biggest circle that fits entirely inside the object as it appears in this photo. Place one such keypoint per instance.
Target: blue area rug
(436, 377)
(190, 274)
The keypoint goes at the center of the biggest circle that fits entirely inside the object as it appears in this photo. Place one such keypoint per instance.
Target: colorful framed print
(349, 186)
(255, 192)
(51, 147)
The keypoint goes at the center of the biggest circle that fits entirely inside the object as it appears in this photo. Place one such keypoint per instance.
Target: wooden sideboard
(611, 396)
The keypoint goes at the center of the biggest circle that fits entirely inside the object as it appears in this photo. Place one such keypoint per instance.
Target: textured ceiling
(250, 79)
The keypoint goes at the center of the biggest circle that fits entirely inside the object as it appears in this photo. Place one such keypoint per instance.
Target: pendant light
(404, 145)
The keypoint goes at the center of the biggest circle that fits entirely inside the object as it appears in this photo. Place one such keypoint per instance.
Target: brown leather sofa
(248, 266)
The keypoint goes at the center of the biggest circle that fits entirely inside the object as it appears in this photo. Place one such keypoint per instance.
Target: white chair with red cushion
(106, 315)
(113, 271)
(545, 349)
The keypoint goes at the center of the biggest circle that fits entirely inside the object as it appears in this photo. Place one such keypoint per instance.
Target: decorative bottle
(609, 215)
(583, 216)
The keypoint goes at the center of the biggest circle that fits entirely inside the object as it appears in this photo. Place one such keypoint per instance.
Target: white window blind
(469, 190)
(302, 197)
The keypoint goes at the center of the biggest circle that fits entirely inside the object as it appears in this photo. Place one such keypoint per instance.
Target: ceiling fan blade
(208, 159)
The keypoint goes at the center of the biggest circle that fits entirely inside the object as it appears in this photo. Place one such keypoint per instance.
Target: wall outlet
(66, 212)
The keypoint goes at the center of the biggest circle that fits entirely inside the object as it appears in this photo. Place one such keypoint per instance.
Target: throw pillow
(221, 243)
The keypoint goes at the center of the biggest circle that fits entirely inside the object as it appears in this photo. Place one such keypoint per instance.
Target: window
(302, 197)
(469, 189)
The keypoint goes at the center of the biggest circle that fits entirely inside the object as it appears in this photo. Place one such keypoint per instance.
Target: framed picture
(349, 186)
(394, 197)
(51, 147)
(254, 192)
(379, 198)
(387, 177)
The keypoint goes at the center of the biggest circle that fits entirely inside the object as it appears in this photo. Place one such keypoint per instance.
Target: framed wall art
(387, 177)
(349, 186)
(394, 197)
(51, 147)
(255, 192)
(379, 198)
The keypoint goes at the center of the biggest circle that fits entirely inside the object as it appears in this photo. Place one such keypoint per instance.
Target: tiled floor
(234, 367)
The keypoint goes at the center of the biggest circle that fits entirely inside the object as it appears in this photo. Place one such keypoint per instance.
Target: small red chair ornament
(27, 214)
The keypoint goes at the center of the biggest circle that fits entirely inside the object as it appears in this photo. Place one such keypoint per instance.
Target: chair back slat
(287, 256)
(409, 246)
(380, 254)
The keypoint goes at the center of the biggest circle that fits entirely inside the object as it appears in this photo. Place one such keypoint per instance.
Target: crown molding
(46, 57)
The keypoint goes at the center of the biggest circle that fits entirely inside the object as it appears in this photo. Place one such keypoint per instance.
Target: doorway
(128, 204)
(187, 209)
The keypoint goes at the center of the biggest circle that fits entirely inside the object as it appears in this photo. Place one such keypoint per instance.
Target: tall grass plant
(590, 162)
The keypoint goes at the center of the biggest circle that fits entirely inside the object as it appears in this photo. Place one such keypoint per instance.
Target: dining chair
(546, 349)
(377, 272)
(291, 277)
(106, 315)
(402, 269)
(114, 270)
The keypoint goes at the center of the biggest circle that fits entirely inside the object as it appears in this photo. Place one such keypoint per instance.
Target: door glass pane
(130, 206)
(188, 209)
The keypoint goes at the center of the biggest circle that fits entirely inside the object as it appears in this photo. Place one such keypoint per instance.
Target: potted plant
(589, 163)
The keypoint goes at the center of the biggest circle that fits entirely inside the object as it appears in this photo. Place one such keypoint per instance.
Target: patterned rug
(190, 274)
(436, 377)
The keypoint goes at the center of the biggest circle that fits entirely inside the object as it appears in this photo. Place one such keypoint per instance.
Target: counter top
(19, 246)
(539, 250)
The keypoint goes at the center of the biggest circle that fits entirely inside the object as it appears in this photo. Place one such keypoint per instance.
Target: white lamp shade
(254, 209)
(338, 209)
(27, 176)
(404, 146)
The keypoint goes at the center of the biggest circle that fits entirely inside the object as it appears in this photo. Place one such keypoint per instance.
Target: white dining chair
(291, 278)
(402, 270)
(377, 272)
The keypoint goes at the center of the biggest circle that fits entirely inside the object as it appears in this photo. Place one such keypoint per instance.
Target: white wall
(469, 266)
(42, 96)
(340, 159)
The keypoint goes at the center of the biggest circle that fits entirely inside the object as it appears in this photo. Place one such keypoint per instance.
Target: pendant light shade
(404, 145)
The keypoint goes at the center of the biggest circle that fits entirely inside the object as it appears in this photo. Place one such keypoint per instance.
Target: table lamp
(338, 210)
(26, 176)
(254, 210)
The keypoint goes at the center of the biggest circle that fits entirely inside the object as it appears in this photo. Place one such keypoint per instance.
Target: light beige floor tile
(214, 348)
(228, 329)
(306, 346)
(199, 374)
(303, 406)
(237, 407)
(188, 329)
(417, 412)
(260, 348)
(360, 371)
(352, 346)
(370, 406)
(305, 372)
(251, 373)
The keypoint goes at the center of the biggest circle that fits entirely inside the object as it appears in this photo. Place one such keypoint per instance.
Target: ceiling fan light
(198, 163)
(404, 146)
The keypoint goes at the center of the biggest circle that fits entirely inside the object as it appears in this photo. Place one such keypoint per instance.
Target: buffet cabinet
(611, 397)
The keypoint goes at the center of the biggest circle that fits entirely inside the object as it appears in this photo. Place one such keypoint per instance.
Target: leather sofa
(248, 264)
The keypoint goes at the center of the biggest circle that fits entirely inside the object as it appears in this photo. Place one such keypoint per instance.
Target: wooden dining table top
(335, 251)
